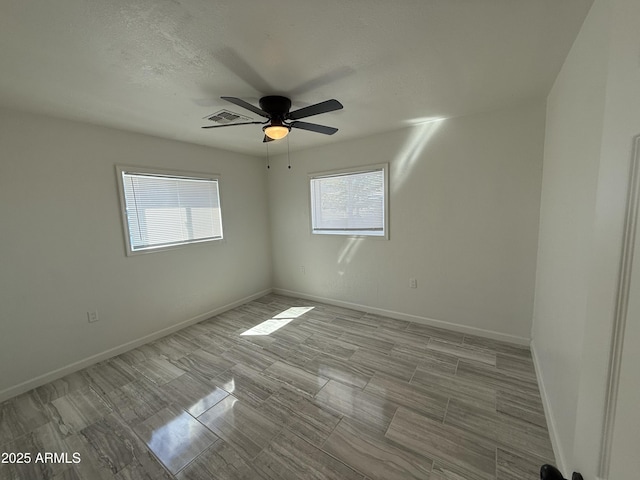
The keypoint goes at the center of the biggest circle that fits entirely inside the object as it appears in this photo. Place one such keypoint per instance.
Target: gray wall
(464, 208)
(62, 247)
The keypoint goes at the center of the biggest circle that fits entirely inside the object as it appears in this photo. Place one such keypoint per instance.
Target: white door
(625, 446)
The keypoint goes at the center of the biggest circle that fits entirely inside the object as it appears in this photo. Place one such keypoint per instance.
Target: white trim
(10, 392)
(481, 332)
(621, 307)
(561, 462)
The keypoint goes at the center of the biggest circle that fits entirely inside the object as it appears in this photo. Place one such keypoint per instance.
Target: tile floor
(315, 392)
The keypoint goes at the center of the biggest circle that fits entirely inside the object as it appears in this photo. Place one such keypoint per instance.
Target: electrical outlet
(302, 270)
(413, 283)
(92, 316)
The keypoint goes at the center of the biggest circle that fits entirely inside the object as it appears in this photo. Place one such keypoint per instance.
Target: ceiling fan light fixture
(276, 109)
(276, 132)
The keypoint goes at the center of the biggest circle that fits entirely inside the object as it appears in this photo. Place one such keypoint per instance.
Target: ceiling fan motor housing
(280, 119)
(276, 106)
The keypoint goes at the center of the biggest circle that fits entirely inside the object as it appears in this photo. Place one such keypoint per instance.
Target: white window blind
(349, 203)
(165, 210)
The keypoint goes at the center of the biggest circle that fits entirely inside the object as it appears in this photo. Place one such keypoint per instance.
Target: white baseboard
(561, 460)
(504, 337)
(125, 347)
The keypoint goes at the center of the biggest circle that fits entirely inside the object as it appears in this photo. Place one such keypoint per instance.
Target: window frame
(346, 171)
(132, 169)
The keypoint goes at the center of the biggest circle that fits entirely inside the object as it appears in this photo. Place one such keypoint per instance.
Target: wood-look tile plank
(314, 325)
(369, 452)
(487, 375)
(69, 473)
(475, 354)
(139, 355)
(291, 333)
(91, 466)
(498, 346)
(77, 410)
(192, 394)
(197, 330)
(252, 341)
(24, 444)
(215, 344)
(349, 373)
(445, 444)
(366, 339)
(136, 401)
(395, 367)
(295, 377)
(252, 357)
(452, 472)
(331, 346)
(354, 403)
(20, 415)
(319, 312)
(62, 386)
(435, 332)
(159, 370)
(247, 384)
(45, 438)
(115, 445)
(521, 366)
(300, 415)
(201, 335)
(430, 360)
(259, 310)
(270, 298)
(408, 395)
(243, 427)
(499, 429)
(220, 462)
(289, 457)
(402, 337)
(175, 437)
(512, 465)
(386, 322)
(204, 364)
(227, 327)
(342, 312)
(141, 472)
(521, 405)
(456, 387)
(107, 376)
(281, 348)
(175, 346)
(297, 355)
(355, 324)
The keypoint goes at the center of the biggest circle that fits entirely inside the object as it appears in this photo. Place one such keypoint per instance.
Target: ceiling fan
(280, 120)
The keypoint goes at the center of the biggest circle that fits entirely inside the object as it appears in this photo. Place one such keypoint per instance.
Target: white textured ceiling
(159, 66)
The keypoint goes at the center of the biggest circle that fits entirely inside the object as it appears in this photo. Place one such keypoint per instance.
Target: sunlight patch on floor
(277, 322)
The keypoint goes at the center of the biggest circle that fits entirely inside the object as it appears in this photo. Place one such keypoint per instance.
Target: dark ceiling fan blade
(247, 105)
(234, 124)
(267, 139)
(318, 108)
(314, 127)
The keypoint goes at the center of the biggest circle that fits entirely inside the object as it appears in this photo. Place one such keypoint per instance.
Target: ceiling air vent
(224, 117)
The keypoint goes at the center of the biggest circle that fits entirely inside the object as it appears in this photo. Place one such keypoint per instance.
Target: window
(164, 209)
(350, 202)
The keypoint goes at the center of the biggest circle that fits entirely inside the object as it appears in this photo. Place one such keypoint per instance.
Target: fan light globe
(276, 132)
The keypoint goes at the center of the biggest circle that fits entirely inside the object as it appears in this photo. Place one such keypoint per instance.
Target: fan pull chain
(288, 156)
(268, 165)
